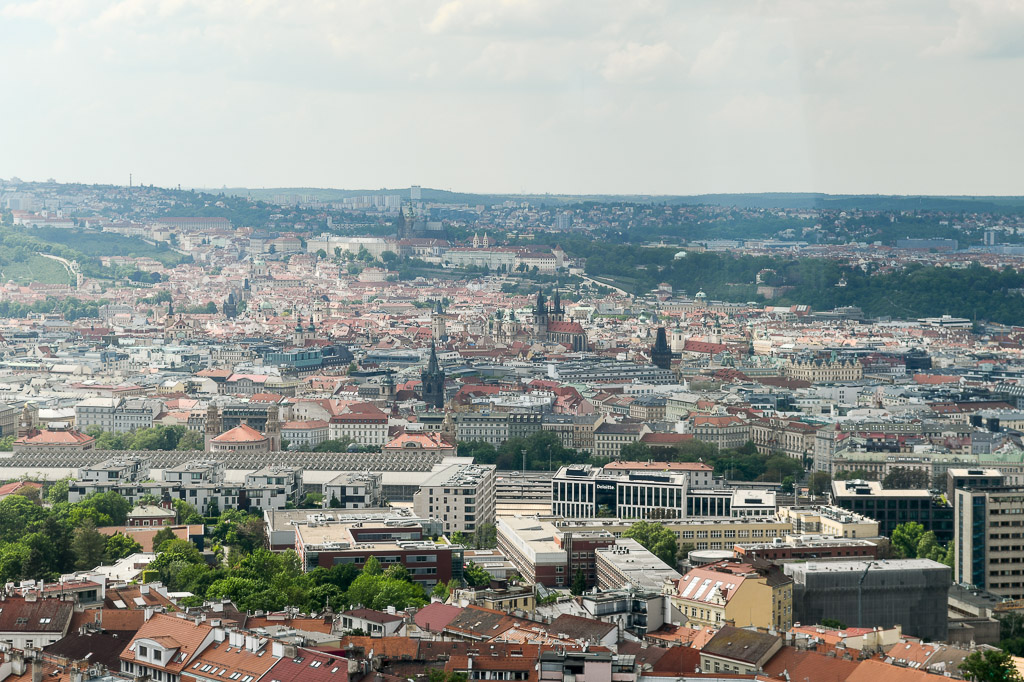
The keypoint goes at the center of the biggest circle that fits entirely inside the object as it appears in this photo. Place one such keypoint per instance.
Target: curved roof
(240, 434)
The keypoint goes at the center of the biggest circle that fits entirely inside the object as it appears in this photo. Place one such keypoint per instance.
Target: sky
(518, 96)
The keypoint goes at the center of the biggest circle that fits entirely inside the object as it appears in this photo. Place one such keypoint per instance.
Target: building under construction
(911, 593)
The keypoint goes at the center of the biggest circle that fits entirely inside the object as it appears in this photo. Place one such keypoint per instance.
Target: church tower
(661, 354)
(540, 318)
(557, 312)
(212, 426)
(432, 377)
(438, 323)
(273, 428)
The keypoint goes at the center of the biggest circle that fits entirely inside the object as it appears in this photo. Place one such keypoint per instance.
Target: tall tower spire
(661, 354)
(432, 378)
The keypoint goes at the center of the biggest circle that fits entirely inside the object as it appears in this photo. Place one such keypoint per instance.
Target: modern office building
(802, 548)
(988, 544)
(627, 563)
(891, 507)
(322, 542)
(546, 555)
(973, 479)
(584, 491)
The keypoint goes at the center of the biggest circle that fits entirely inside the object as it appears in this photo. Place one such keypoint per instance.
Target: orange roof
(18, 485)
(186, 635)
(56, 438)
(419, 440)
(873, 670)
(243, 433)
(222, 655)
(658, 466)
(306, 624)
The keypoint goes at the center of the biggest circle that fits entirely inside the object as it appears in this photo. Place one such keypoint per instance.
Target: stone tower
(432, 377)
(438, 323)
(557, 312)
(273, 429)
(212, 426)
(661, 354)
(540, 318)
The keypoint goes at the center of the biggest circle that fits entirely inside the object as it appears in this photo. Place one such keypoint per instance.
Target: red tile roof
(243, 433)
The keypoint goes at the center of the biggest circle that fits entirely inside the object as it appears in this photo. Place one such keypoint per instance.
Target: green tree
(579, 583)
(118, 546)
(88, 547)
(163, 535)
(658, 539)
(820, 483)
(110, 504)
(485, 536)
(187, 513)
(787, 485)
(398, 572)
(989, 666)
(833, 623)
(475, 576)
(372, 566)
(58, 492)
(13, 555)
(905, 539)
(441, 675)
(191, 440)
(906, 478)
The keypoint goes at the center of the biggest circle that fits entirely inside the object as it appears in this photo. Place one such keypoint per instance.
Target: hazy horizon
(534, 97)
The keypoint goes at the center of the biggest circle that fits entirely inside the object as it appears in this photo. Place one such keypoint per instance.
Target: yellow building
(820, 370)
(698, 533)
(737, 593)
(828, 520)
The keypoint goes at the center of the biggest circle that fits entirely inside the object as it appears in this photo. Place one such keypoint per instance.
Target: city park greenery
(43, 542)
(544, 451)
(916, 290)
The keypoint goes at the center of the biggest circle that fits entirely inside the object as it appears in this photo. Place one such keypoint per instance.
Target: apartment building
(733, 592)
(116, 415)
(460, 495)
(609, 438)
(489, 427)
(354, 490)
(366, 426)
(725, 431)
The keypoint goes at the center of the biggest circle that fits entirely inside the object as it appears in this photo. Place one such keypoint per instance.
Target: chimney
(37, 671)
(18, 662)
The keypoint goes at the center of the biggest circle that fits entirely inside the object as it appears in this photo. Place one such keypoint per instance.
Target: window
(143, 651)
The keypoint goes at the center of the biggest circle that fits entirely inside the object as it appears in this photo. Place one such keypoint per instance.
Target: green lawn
(36, 269)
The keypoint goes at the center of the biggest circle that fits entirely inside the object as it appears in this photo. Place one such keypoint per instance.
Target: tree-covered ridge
(21, 245)
(913, 291)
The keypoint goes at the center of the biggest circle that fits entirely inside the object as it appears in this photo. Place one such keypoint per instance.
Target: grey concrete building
(907, 592)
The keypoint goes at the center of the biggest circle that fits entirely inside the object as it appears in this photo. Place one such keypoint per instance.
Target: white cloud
(987, 28)
(644, 96)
